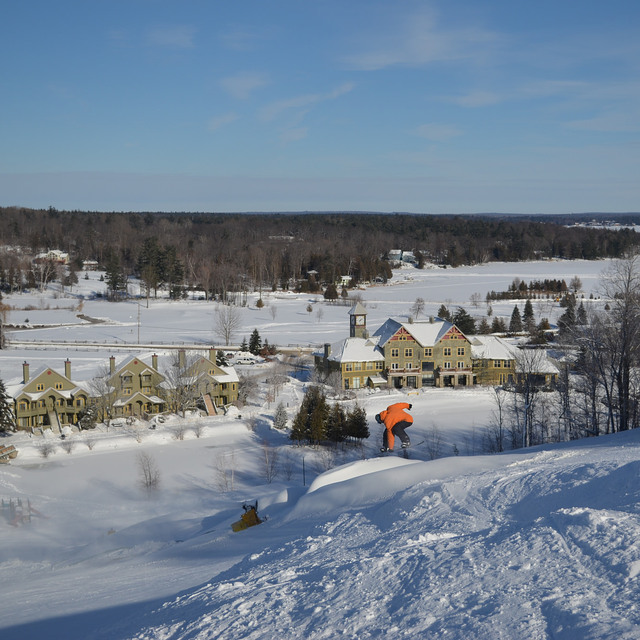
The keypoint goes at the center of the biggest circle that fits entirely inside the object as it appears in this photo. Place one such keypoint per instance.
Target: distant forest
(219, 251)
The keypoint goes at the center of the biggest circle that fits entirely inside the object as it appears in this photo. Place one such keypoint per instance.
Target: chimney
(154, 361)
(212, 355)
(112, 365)
(431, 320)
(25, 372)
(181, 358)
(327, 350)
(67, 368)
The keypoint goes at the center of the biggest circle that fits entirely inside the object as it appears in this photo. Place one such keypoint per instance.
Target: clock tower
(357, 321)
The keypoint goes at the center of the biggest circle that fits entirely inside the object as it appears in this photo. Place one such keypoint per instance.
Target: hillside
(533, 544)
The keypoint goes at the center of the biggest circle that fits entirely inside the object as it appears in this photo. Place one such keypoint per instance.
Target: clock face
(360, 320)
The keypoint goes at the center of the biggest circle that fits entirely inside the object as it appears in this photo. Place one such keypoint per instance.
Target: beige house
(430, 353)
(494, 361)
(220, 384)
(135, 387)
(48, 399)
(497, 363)
(398, 354)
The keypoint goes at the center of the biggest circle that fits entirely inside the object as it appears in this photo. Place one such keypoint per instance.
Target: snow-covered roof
(357, 310)
(424, 333)
(491, 348)
(355, 350)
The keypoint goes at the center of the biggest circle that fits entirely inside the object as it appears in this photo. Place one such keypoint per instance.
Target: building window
(505, 364)
(447, 365)
(497, 364)
(460, 351)
(356, 383)
(408, 352)
(23, 406)
(357, 366)
(428, 352)
(146, 389)
(58, 385)
(446, 351)
(40, 386)
(379, 366)
(395, 365)
(460, 364)
(395, 353)
(127, 379)
(348, 366)
(126, 392)
(408, 365)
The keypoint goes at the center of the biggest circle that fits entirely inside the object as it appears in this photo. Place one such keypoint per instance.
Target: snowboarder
(395, 419)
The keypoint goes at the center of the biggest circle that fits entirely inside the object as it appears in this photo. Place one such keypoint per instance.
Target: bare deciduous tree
(224, 468)
(148, 471)
(227, 322)
(270, 460)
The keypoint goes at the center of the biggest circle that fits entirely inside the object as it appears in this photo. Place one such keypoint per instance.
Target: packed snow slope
(541, 543)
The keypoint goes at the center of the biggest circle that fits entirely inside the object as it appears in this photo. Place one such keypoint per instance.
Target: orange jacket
(392, 415)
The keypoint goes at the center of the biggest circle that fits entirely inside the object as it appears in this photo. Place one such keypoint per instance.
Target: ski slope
(533, 544)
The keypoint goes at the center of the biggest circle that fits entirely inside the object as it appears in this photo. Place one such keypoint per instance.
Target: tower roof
(357, 310)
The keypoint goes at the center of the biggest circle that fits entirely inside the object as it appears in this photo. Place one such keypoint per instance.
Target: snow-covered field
(539, 543)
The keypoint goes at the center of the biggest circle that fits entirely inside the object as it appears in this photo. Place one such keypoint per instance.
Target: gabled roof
(355, 350)
(17, 389)
(426, 334)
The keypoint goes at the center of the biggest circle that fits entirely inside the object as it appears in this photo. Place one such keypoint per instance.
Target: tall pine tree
(515, 324)
(7, 419)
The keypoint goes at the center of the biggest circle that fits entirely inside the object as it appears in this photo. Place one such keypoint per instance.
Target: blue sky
(453, 106)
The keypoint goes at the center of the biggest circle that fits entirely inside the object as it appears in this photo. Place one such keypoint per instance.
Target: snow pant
(398, 431)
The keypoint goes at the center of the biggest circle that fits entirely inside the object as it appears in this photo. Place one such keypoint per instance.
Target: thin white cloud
(276, 108)
(241, 86)
(217, 122)
(438, 132)
(421, 40)
(294, 134)
(175, 37)
(608, 123)
(477, 99)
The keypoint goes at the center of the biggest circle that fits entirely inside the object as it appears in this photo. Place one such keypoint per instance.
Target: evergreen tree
(88, 418)
(567, 321)
(310, 423)
(255, 343)
(515, 324)
(357, 426)
(581, 315)
(7, 419)
(484, 328)
(115, 277)
(336, 424)
(528, 317)
(280, 418)
(498, 325)
(464, 321)
(244, 346)
(331, 292)
(443, 313)
(221, 358)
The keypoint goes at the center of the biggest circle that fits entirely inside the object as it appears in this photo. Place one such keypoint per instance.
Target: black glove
(410, 406)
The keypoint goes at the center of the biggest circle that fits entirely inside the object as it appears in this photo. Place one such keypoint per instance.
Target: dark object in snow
(249, 517)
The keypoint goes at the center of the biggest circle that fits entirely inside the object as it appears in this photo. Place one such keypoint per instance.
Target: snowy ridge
(520, 546)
